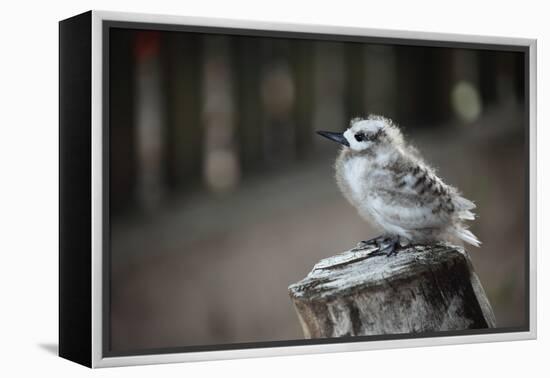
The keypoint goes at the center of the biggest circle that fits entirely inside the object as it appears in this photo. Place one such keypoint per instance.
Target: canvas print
(273, 189)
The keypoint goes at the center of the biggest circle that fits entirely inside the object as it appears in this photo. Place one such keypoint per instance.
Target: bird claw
(378, 241)
(392, 249)
(386, 245)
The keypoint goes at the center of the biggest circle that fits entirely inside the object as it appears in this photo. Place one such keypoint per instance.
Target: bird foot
(378, 241)
(386, 244)
(392, 248)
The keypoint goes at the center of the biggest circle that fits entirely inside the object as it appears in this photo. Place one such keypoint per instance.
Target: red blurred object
(147, 44)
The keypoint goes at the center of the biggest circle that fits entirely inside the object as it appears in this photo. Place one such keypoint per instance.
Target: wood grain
(423, 288)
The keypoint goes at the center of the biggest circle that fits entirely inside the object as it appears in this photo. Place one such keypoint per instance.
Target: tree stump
(421, 289)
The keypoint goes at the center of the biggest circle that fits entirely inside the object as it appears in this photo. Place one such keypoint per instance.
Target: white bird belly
(355, 184)
(355, 172)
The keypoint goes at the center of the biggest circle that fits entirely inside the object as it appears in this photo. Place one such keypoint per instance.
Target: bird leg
(392, 248)
(377, 241)
(388, 245)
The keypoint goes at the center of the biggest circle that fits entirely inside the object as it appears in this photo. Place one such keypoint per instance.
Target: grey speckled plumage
(394, 189)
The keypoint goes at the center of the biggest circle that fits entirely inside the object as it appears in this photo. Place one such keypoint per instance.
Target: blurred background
(221, 194)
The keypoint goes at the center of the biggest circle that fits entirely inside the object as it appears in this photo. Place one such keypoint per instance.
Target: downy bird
(394, 189)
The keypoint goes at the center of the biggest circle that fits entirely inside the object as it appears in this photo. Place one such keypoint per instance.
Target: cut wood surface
(424, 288)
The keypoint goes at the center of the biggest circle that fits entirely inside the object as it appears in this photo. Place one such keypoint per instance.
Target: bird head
(364, 134)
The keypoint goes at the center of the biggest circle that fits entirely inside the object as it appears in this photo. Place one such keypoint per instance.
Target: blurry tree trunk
(184, 135)
(221, 164)
(421, 289)
(329, 86)
(487, 77)
(506, 69)
(355, 80)
(150, 119)
(249, 112)
(380, 80)
(501, 77)
(278, 94)
(303, 73)
(520, 79)
(424, 85)
(439, 86)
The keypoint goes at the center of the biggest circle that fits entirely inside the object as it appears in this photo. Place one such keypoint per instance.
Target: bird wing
(413, 198)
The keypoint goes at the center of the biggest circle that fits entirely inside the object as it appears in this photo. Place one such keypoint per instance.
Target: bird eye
(360, 137)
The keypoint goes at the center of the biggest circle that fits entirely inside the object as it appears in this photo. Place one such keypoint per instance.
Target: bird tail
(463, 203)
(468, 237)
(463, 207)
(466, 215)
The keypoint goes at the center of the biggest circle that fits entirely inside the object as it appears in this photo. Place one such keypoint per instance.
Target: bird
(395, 190)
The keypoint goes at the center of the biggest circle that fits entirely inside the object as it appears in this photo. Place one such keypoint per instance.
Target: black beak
(336, 137)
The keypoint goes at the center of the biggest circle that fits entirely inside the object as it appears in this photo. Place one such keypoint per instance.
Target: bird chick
(392, 187)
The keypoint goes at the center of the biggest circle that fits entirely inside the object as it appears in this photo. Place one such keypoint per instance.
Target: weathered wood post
(421, 289)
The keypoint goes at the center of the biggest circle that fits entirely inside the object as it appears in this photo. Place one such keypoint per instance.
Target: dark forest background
(221, 194)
